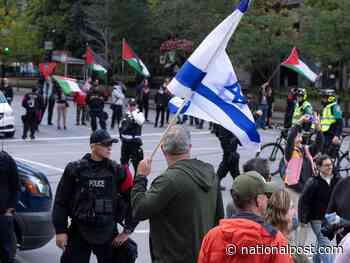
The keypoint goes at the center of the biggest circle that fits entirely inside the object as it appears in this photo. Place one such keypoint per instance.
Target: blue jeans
(261, 121)
(321, 241)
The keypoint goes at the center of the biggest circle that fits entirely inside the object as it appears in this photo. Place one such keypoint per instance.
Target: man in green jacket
(183, 203)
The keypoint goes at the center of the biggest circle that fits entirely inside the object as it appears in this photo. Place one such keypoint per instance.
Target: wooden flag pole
(171, 124)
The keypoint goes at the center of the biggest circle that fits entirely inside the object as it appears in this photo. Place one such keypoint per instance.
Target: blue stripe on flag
(190, 76)
(237, 117)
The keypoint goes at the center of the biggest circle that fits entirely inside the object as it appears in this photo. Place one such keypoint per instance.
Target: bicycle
(274, 151)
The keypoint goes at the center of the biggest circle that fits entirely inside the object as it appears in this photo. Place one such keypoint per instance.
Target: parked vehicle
(7, 118)
(33, 226)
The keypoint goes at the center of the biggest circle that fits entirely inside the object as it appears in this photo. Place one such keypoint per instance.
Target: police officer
(32, 103)
(96, 103)
(230, 158)
(9, 189)
(130, 134)
(302, 107)
(95, 193)
(331, 122)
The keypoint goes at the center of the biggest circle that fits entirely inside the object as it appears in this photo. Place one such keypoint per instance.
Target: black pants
(199, 123)
(167, 115)
(133, 151)
(50, 108)
(29, 124)
(116, 115)
(230, 160)
(93, 116)
(145, 107)
(79, 250)
(7, 239)
(81, 114)
(159, 111)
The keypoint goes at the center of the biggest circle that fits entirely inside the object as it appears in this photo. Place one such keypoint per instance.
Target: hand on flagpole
(144, 167)
(266, 84)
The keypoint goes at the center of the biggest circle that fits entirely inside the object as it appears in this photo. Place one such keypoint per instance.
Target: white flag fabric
(209, 80)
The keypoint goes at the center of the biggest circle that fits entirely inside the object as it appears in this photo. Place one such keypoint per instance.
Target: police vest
(299, 111)
(327, 118)
(95, 193)
(129, 130)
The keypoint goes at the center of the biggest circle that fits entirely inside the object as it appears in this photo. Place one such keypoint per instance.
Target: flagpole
(123, 62)
(171, 124)
(273, 74)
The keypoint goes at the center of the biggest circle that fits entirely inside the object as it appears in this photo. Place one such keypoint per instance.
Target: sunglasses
(105, 144)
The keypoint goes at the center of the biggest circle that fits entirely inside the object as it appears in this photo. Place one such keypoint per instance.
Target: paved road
(53, 149)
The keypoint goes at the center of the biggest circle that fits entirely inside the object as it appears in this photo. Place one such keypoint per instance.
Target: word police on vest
(97, 183)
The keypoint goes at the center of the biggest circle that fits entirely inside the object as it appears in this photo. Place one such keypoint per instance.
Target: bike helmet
(329, 94)
(301, 93)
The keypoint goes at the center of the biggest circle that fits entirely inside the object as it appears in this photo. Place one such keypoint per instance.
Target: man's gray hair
(177, 141)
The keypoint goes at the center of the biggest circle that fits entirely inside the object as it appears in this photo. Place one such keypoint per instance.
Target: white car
(7, 118)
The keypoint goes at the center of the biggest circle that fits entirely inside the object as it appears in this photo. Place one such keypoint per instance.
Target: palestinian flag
(293, 62)
(96, 62)
(134, 61)
(68, 85)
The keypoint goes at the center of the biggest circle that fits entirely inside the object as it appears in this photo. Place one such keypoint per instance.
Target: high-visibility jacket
(300, 110)
(327, 118)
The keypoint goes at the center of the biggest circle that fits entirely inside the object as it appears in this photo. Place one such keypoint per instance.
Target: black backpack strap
(250, 216)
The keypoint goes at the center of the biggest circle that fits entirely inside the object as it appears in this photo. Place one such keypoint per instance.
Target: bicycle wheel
(343, 165)
(273, 153)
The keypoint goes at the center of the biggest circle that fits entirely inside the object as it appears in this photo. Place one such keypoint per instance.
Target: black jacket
(314, 200)
(339, 203)
(161, 99)
(66, 192)
(306, 170)
(9, 182)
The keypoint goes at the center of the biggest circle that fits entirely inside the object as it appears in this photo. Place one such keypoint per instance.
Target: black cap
(102, 136)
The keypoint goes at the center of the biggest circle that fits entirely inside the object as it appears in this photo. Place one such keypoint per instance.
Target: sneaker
(24, 137)
(32, 137)
(155, 126)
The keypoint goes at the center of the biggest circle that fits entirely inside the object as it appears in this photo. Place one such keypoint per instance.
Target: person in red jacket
(246, 238)
(80, 100)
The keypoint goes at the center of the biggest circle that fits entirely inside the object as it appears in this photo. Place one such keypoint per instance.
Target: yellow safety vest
(299, 111)
(327, 118)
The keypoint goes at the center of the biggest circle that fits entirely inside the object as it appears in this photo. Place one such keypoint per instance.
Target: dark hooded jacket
(182, 204)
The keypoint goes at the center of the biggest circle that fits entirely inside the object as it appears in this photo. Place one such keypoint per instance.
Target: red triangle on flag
(47, 69)
(293, 58)
(127, 51)
(89, 56)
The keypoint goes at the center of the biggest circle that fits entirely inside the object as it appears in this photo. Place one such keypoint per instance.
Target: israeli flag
(210, 82)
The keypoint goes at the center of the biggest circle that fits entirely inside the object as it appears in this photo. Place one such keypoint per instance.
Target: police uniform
(96, 104)
(32, 103)
(302, 108)
(91, 194)
(331, 123)
(230, 159)
(130, 131)
(9, 189)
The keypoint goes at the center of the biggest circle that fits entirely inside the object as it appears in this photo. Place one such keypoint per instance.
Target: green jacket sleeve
(146, 204)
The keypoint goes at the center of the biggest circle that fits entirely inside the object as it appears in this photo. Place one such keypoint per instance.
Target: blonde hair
(277, 210)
